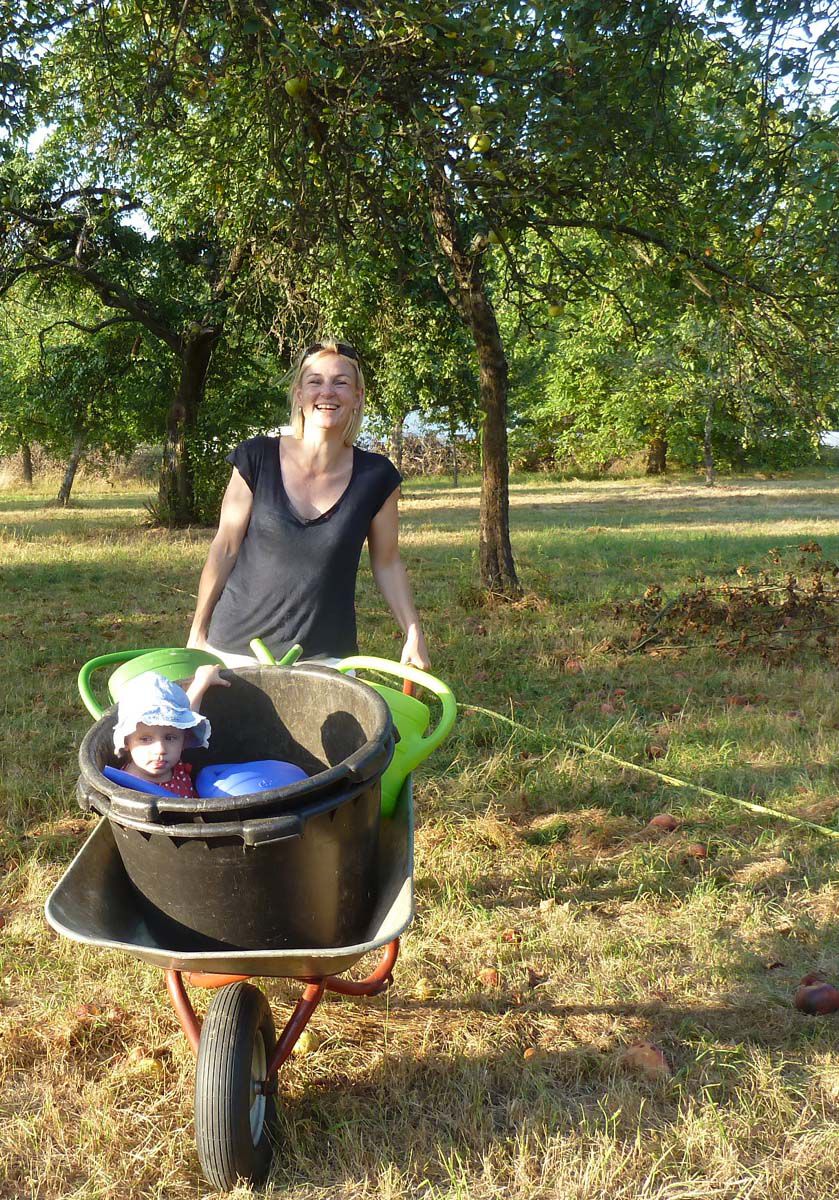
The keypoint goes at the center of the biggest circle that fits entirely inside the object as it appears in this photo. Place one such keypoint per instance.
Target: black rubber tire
(233, 1121)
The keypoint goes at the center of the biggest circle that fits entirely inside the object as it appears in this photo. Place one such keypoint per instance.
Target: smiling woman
(294, 519)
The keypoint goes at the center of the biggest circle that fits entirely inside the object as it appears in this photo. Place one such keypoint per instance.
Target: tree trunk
(471, 301)
(397, 442)
(176, 496)
(657, 456)
(498, 572)
(26, 463)
(453, 444)
(63, 498)
(708, 445)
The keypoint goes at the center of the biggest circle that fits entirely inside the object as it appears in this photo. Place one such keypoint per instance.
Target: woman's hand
(415, 650)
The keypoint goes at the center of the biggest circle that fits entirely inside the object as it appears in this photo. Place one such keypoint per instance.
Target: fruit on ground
(817, 999)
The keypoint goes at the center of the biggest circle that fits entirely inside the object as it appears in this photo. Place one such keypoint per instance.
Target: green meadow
(586, 1006)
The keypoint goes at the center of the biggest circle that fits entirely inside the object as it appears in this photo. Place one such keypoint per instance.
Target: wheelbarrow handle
(411, 675)
(265, 656)
(103, 660)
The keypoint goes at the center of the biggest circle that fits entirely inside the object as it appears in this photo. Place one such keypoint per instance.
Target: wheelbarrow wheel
(234, 1114)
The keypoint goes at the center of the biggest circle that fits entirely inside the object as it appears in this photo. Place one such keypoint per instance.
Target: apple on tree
(296, 86)
(480, 143)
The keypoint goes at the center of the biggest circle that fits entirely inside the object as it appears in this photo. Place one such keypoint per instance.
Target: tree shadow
(85, 503)
(429, 1102)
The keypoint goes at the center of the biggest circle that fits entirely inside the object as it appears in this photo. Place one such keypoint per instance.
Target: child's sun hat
(152, 699)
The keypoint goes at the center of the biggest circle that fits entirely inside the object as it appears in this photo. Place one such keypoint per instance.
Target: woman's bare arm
(233, 523)
(392, 580)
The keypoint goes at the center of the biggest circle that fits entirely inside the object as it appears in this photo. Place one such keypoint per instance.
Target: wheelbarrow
(237, 1048)
(238, 1052)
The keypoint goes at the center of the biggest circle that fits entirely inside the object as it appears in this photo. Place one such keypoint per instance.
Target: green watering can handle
(423, 679)
(104, 660)
(261, 651)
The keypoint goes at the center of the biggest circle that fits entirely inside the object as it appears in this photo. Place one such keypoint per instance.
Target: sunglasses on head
(343, 348)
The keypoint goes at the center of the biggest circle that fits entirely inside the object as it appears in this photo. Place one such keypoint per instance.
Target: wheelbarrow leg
(183, 1009)
(295, 1025)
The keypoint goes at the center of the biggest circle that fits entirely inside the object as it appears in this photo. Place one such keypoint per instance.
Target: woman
(294, 518)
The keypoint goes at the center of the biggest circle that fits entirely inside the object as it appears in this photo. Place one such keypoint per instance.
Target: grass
(553, 929)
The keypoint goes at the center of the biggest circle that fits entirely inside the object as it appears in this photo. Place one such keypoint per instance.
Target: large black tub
(291, 867)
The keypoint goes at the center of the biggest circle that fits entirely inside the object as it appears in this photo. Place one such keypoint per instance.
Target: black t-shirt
(294, 580)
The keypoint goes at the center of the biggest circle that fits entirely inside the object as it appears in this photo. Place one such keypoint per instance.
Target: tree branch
(126, 320)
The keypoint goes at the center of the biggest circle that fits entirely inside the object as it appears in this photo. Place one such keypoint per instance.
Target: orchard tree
(180, 290)
(319, 134)
(638, 124)
(70, 386)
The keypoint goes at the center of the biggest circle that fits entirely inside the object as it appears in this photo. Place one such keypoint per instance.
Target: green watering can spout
(410, 716)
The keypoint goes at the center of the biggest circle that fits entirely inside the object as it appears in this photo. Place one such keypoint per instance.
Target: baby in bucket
(156, 721)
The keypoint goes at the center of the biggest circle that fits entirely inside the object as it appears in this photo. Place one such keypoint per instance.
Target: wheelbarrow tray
(95, 903)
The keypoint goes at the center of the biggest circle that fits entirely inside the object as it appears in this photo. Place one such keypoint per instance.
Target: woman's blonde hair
(345, 350)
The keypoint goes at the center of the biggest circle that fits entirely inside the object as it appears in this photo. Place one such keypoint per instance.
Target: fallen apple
(307, 1043)
(664, 821)
(647, 1058)
(423, 989)
(817, 998)
(696, 850)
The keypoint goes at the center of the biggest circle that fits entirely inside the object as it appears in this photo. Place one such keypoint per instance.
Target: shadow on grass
(84, 503)
(438, 1115)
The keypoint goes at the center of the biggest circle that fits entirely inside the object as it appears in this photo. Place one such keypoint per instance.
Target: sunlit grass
(533, 863)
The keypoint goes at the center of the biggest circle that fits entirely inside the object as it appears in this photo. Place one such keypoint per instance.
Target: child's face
(156, 750)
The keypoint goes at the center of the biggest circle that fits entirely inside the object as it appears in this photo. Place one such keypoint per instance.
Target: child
(156, 721)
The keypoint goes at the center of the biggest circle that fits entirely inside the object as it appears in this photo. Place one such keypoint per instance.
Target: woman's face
(328, 392)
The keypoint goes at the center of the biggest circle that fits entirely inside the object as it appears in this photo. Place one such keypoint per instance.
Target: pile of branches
(775, 612)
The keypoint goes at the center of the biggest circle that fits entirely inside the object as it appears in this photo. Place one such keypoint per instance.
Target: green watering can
(176, 663)
(410, 716)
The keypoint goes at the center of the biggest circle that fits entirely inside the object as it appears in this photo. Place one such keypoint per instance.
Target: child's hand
(208, 676)
(205, 677)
